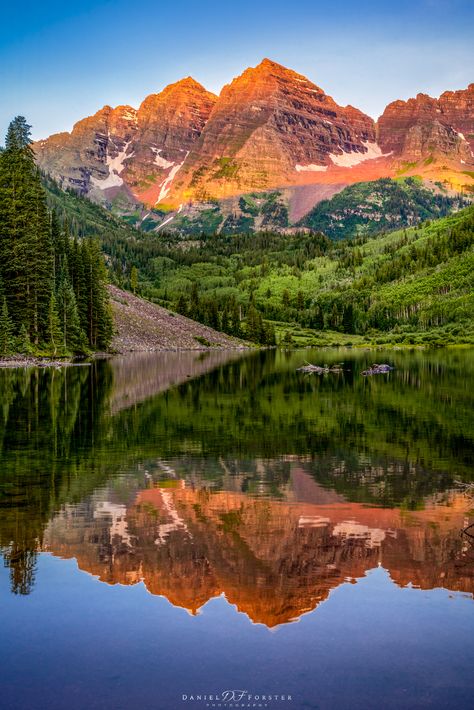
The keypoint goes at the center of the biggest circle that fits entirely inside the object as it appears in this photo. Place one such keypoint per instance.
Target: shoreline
(19, 361)
(16, 361)
(43, 362)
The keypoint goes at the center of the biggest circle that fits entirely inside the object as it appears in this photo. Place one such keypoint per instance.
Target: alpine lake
(219, 530)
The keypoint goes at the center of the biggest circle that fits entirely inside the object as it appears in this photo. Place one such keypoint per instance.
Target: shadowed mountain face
(201, 476)
(270, 128)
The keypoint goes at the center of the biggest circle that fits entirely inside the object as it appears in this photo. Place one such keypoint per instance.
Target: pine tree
(6, 330)
(54, 328)
(25, 235)
(73, 337)
(24, 342)
(235, 327)
(348, 319)
(225, 320)
(99, 316)
(317, 320)
(182, 305)
(78, 279)
(134, 279)
(194, 302)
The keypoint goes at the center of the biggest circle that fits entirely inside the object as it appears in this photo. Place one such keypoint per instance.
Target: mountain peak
(186, 82)
(268, 67)
(184, 87)
(269, 64)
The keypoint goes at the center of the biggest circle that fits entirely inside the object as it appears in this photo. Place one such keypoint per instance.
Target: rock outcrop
(426, 127)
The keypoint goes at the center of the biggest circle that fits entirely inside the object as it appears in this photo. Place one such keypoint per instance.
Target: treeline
(53, 294)
(227, 316)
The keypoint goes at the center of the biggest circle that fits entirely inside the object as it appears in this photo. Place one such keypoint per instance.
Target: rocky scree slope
(141, 325)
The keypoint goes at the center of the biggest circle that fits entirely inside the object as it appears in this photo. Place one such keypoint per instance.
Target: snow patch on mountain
(348, 160)
(116, 167)
(161, 162)
(166, 185)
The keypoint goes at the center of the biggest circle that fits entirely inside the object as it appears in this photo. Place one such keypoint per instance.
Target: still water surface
(175, 526)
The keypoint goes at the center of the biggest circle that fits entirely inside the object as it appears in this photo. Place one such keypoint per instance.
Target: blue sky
(62, 61)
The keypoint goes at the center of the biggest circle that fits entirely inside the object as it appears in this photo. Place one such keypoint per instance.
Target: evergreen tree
(54, 328)
(182, 305)
(348, 318)
(235, 327)
(26, 254)
(134, 279)
(225, 324)
(6, 328)
(73, 337)
(99, 316)
(24, 342)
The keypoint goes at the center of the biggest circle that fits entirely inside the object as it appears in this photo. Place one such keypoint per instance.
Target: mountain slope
(127, 154)
(368, 208)
(412, 285)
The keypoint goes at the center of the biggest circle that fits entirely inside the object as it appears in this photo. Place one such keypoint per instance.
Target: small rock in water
(377, 369)
(318, 369)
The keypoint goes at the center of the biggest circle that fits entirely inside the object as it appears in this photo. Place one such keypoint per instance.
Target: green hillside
(368, 208)
(408, 286)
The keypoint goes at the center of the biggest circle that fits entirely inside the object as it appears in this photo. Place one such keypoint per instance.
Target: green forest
(408, 286)
(53, 295)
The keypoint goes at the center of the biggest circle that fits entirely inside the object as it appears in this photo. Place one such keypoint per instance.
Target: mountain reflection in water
(211, 474)
(275, 560)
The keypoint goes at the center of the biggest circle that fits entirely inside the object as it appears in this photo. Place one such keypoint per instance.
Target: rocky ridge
(271, 128)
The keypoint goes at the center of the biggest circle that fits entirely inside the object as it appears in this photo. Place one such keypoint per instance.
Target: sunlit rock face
(92, 158)
(270, 128)
(424, 126)
(275, 560)
(130, 153)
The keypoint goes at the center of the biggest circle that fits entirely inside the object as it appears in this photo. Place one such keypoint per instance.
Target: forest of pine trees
(53, 295)
(226, 316)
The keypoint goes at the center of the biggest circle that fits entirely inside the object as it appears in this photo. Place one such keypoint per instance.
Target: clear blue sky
(61, 61)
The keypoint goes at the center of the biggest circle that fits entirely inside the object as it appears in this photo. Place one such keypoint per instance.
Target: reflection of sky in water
(370, 645)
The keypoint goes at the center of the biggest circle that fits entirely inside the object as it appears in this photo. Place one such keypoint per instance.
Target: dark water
(182, 526)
